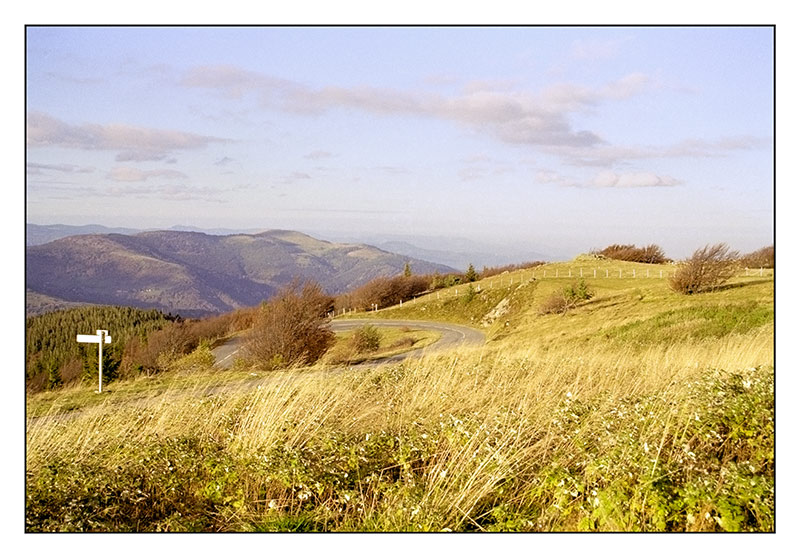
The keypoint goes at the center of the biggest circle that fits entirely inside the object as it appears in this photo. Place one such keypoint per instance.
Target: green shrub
(367, 339)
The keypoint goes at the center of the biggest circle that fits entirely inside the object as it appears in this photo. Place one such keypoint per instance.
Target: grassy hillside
(637, 410)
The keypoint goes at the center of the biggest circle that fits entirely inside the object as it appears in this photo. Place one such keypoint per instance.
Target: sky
(562, 139)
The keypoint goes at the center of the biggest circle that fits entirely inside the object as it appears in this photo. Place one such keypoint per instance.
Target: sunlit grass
(584, 421)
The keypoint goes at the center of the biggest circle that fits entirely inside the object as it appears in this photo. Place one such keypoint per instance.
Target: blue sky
(563, 139)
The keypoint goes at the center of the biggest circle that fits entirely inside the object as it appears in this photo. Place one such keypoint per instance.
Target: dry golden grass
(585, 427)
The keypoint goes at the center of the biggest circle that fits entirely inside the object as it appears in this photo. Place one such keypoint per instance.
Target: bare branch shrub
(763, 257)
(652, 253)
(384, 291)
(290, 328)
(706, 270)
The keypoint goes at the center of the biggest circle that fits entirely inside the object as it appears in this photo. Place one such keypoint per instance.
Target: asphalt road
(451, 336)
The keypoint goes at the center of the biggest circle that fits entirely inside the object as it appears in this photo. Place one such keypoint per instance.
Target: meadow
(637, 409)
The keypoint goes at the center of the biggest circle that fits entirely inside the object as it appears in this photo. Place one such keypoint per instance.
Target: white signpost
(101, 339)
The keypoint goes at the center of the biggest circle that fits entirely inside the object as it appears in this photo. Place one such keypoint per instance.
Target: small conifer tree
(471, 275)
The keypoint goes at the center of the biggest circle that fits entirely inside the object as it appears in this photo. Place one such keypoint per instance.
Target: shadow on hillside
(737, 285)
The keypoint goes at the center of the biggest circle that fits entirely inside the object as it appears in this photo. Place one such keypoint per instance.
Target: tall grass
(513, 436)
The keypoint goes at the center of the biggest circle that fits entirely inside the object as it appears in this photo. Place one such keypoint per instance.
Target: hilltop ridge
(195, 273)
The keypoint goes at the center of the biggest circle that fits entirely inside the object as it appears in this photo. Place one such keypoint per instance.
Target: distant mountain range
(194, 273)
(42, 234)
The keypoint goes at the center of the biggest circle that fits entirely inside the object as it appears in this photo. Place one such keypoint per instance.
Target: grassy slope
(638, 410)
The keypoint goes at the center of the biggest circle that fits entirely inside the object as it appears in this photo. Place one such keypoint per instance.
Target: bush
(384, 291)
(706, 270)
(290, 328)
(366, 339)
(764, 257)
(652, 253)
(568, 298)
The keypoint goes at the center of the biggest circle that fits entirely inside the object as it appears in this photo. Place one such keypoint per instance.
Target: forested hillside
(52, 354)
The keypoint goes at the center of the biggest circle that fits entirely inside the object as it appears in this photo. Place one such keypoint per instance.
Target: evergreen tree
(471, 275)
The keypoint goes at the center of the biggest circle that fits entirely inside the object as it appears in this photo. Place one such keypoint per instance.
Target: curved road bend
(451, 336)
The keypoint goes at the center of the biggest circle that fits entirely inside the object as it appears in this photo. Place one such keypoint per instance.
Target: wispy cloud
(511, 116)
(40, 168)
(608, 179)
(130, 174)
(142, 190)
(610, 155)
(134, 143)
(541, 119)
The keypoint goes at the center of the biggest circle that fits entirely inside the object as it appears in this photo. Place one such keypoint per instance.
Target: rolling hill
(194, 273)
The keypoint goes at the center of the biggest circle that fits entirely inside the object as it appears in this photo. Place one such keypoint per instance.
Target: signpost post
(101, 339)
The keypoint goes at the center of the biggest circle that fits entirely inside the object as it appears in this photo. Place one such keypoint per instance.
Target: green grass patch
(464, 304)
(694, 322)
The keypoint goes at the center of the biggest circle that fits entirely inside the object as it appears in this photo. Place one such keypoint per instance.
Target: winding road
(451, 336)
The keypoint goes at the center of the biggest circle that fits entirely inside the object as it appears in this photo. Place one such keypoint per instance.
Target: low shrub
(652, 254)
(366, 339)
(290, 328)
(569, 297)
(706, 270)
